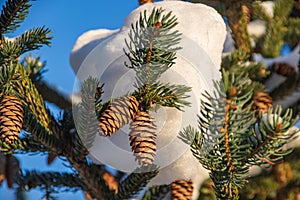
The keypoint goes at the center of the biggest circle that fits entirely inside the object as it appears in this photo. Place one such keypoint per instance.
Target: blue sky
(67, 19)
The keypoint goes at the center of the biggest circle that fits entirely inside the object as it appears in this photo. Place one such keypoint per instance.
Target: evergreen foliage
(12, 14)
(86, 120)
(156, 192)
(152, 51)
(231, 136)
(280, 28)
(232, 139)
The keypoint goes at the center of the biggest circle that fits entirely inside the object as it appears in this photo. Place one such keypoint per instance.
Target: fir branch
(68, 134)
(9, 52)
(283, 8)
(15, 79)
(268, 137)
(292, 33)
(86, 118)
(34, 39)
(23, 145)
(32, 179)
(30, 96)
(51, 94)
(192, 136)
(172, 95)
(163, 95)
(10, 148)
(41, 133)
(238, 62)
(221, 143)
(91, 175)
(20, 194)
(71, 147)
(228, 108)
(151, 51)
(30, 40)
(156, 192)
(276, 27)
(273, 39)
(238, 20)
(231, 139)
(8, 77)
(135, 182)
(259, 12)
(150, 47)
(13, 13)
(34, 68)
(31, 145)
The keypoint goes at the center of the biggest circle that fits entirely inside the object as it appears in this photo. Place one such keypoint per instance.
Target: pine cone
(143, 138)
(51, 157)
(246, 13)
(262, 101)
(283, 173)
(182, 190)
(88, 196)
(142, 2)
(283, 69)
(119, 113)
(110, 181)
(11, 119)
(2, 167)
(12, 169)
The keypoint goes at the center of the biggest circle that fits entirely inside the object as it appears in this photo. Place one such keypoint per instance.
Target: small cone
(87, 196)
(283, 173)
(246, 13)
(142, 2)
(51, 157)
(2, 167)
(119, 113)
(284, 69)
(262, 101)
(12, 169)
(110, 181)
(11, 119)
(143, 138)
(182, 190)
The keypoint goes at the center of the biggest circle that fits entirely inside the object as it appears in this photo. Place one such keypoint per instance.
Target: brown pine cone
(142, 2)
(262, 101)
(110, 181)
(182, 190)
(143, 138)
(11, 119)
(88, 196)
(119, 113)
(284, 69)
(51, 157)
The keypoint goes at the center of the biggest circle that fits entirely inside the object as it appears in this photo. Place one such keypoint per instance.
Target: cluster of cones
(142, 136)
